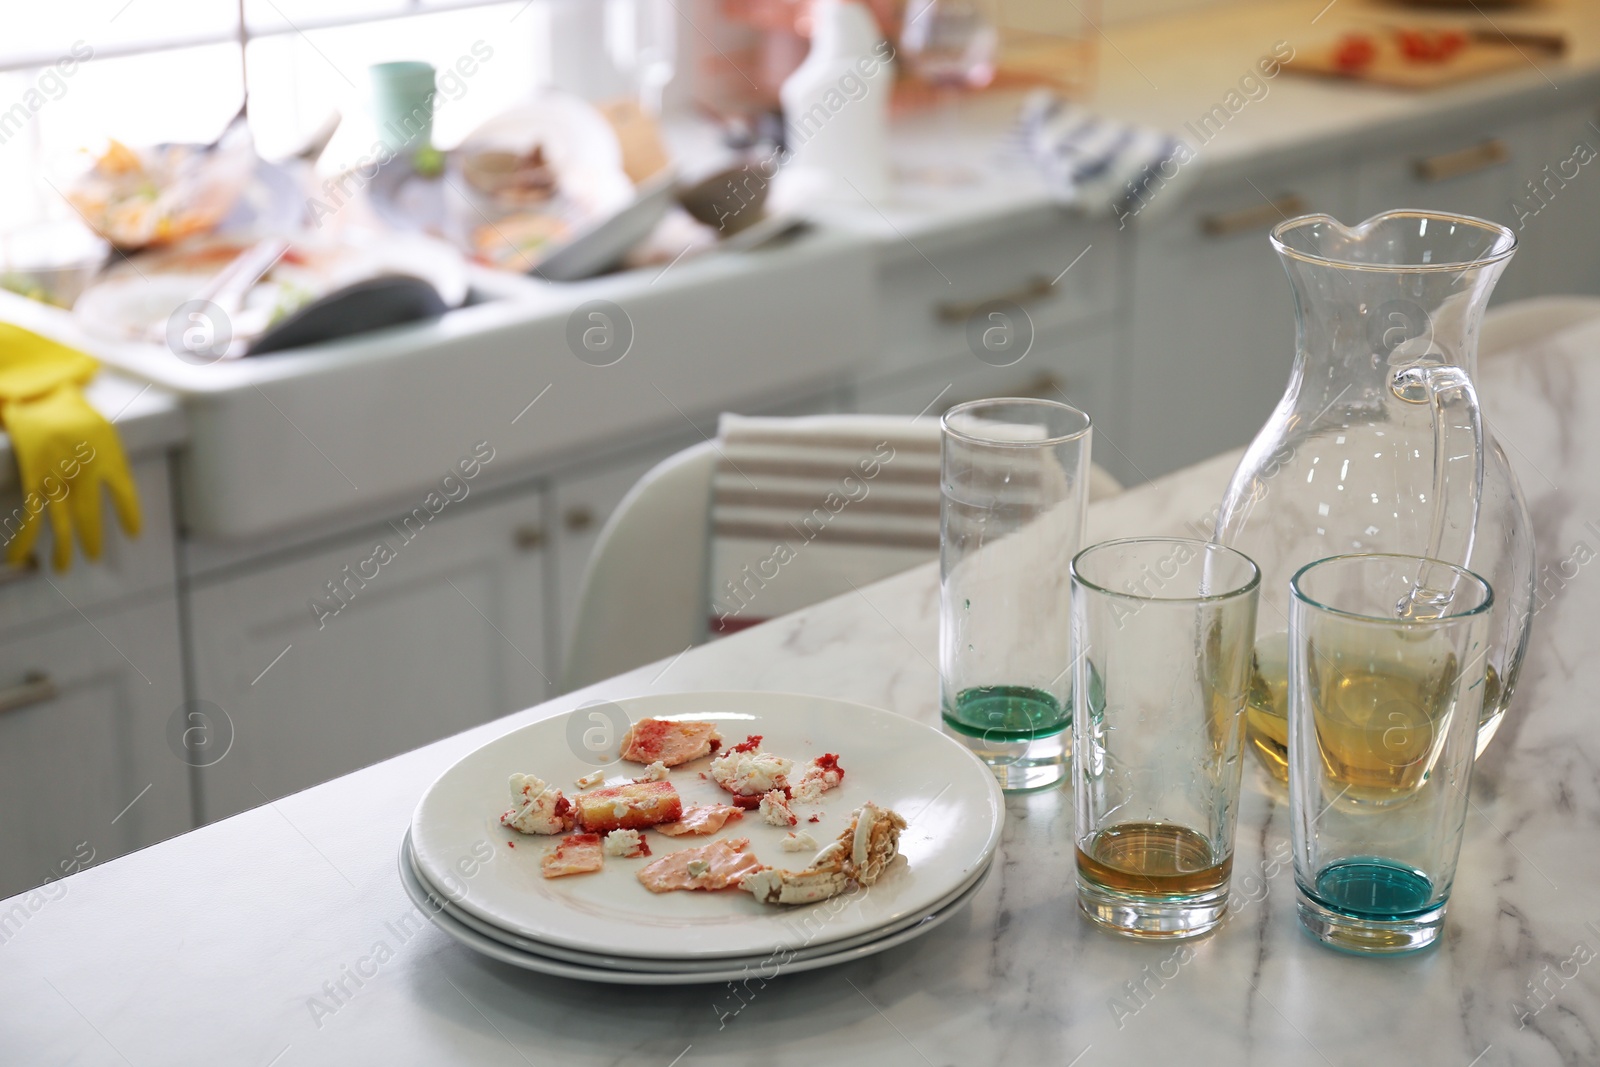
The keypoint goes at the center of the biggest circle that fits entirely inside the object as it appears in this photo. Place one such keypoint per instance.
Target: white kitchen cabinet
(1211, 321)
(126, 568)
(86, 771)
(1509, 171)
(1062, 274)
(1555, 209)
(1080, 372)
(1469, 169)
(447, 633)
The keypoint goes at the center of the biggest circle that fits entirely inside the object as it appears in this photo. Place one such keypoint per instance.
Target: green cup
(402, 105)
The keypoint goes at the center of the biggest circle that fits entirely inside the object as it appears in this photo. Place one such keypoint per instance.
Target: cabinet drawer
(928, 303)
(86, 773)
(1555, 210)
(1211, 329)
(1471, 170)
(35, 594)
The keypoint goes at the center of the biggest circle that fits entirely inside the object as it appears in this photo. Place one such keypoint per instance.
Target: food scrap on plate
(611, 821)
(656, 772)
(668, 742)
(718, 865)
(574, 854)
(748, 773)
(823, 774)
(634, 806)
(775, 810)
(798, 841)
(702, 819)
(537, 807)
(862, 852)
(626, 844)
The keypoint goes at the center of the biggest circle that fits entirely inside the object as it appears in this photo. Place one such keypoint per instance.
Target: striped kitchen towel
(1093, 162)
(807, 508)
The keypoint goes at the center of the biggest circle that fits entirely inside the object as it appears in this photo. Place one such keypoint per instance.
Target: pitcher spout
(1403, 288)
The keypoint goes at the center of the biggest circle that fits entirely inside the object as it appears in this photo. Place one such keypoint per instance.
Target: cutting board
(1477, 59)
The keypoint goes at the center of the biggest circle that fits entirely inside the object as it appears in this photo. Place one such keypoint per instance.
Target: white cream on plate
(534, 807)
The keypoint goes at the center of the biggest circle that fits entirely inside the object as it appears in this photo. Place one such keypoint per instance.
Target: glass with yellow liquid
(1161, 637)
(1385, 684)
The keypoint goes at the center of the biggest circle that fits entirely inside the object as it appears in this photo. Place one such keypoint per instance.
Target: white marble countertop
(210, 948)
(148, 419)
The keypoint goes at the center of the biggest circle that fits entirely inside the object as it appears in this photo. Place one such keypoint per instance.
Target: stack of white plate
(481, 883)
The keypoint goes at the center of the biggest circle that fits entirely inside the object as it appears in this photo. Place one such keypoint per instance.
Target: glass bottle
(950, 43)
(1378, 445)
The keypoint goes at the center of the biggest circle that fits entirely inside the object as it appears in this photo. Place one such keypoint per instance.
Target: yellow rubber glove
(65, 449)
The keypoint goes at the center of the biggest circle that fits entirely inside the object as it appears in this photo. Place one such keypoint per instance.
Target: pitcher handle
(1457, 478)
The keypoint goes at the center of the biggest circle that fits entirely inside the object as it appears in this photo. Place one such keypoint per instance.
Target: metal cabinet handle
(578, 519)
(1446, 165)
(1036, 288)
(528, 537)
(36, 687)
(17, 572)
(1258, 217)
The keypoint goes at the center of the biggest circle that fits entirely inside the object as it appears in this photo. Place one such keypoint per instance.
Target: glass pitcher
(1378, 444)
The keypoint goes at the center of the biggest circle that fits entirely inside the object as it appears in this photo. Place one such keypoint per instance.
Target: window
(152, 71)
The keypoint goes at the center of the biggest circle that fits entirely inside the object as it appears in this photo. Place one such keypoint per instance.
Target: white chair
(644, 593)
(1518, 324)
(644, 589)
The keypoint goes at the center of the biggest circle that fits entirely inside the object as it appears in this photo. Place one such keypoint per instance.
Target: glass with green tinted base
(1386, 680)
(1015, 477)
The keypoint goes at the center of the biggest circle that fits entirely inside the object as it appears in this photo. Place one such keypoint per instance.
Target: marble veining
(218, 947)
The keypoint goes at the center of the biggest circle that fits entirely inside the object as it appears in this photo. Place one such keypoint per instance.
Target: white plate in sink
(951, 802)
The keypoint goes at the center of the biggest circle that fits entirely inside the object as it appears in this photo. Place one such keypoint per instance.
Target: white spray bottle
(836, 103)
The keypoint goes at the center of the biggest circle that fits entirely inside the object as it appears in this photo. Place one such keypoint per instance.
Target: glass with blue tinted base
(1386, 681)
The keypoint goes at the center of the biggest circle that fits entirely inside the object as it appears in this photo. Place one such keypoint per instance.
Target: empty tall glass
(1162, 630)
(1015, 476)
(1386, 680)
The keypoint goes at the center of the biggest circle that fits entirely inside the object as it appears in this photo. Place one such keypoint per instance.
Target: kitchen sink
(539, 370)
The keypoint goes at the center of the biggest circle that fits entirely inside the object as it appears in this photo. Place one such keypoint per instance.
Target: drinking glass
(1014, 481)
(1161, 633)
(950, 43)
(1386, 680)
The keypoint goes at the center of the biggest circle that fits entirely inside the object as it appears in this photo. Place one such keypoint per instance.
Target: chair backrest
(1517, 324)
(645, 592)
(644, 589)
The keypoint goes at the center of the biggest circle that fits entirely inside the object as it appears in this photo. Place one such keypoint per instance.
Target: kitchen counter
(208, 949)
(352, 429)
(148, 419)
(962, 169)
